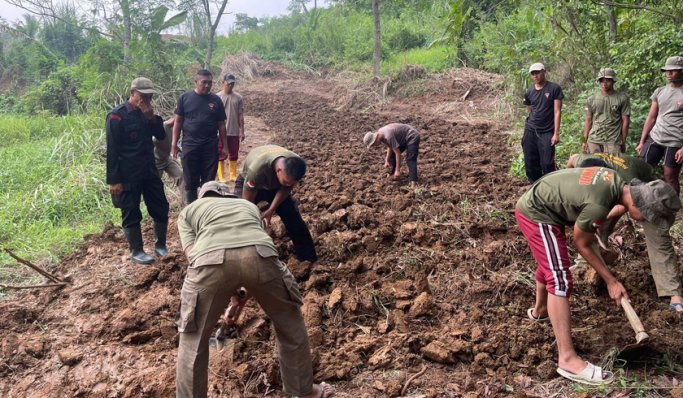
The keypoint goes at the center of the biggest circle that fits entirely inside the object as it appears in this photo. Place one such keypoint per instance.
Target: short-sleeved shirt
(542, 103)
(162, 148)
(581, 196)
(214, 223)
(399, 135)
(234, 107)
(607, 113)
(258, 168)
(201, 116)
(628, 167)
(668, 129)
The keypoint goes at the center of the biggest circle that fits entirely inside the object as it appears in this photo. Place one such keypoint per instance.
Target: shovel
(228, 326)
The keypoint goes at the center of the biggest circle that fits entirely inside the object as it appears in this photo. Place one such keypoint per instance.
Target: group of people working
(596, 189)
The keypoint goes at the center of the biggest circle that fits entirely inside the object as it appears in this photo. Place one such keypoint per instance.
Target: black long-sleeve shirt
(130, 151)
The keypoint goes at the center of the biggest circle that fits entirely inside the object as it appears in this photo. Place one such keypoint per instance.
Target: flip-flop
(530, 314)
(591, 375)
(676, 306)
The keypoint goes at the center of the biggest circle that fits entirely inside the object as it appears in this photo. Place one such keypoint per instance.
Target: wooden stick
(633, 319)
(17, 287)
(34, 267)
(467, 94)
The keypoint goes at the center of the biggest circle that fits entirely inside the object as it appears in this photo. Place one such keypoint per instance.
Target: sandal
(676, 307)
(530, 314)
(591, 375)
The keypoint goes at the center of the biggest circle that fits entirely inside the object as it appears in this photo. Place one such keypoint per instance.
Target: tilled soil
(419, 292)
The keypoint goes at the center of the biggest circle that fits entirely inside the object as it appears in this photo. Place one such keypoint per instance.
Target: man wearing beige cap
(398, 138)
(607, 117)
(131, 169)
(662, 136)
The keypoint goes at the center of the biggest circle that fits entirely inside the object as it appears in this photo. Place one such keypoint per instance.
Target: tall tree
(377, 53)
(213, 23)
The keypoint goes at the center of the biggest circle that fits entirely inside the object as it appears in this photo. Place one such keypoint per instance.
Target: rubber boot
(233, 170)
(220, 172)
(190, 196)
(160, 233)
(137, 253)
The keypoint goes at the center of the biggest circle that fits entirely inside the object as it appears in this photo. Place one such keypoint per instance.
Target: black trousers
(304, 248)
(539, 154)
(152, 191)
(200, 164)
(412, 151)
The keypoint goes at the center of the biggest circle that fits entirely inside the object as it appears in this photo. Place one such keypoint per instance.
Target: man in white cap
(227, 246)
(542, 128)
(607, 117)
(662, 136)
(131, 170)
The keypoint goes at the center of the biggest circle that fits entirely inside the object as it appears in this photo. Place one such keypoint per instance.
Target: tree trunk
(377, 54)
(127, 30)
(212, 30)
(612, 19)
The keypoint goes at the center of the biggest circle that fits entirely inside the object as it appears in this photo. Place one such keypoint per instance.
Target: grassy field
(53, 177)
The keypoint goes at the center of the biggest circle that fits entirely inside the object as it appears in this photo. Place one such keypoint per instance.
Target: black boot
(190, 196)
(137, 253)
(160, 233)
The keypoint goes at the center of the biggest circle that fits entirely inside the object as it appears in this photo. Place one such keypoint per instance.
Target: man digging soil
(227, 247)
(584, 198)
(398, 138)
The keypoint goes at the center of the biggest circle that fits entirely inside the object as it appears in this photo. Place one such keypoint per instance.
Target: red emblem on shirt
(114, 116)
(591, 175)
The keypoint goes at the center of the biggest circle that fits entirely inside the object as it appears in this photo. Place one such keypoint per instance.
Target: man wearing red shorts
(583, 198)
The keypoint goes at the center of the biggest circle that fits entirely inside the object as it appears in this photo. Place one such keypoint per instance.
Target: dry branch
(34, 267)
(17, 287)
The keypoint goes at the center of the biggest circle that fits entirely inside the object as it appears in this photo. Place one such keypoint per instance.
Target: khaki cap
(143, 85)
(606, 73)
(369, 139)
(673, 63)
(216, 187)
(657, 202)
(536, 67)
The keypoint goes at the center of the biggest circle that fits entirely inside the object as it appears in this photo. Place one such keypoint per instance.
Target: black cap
(229, 78)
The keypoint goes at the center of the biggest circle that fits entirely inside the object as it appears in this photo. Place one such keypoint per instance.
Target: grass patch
(53, 172)
(433, 59)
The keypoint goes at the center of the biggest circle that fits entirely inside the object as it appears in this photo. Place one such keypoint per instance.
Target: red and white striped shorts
(549, 247)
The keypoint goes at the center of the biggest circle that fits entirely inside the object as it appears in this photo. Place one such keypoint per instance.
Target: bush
(57, 94)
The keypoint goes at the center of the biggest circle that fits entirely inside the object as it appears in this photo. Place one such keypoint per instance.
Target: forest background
(65, 64)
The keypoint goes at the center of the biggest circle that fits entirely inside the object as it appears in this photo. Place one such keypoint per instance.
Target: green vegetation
(51, 171)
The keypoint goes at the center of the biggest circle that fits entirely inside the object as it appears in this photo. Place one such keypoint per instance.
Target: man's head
(537, 72)
(655, 201)
(228, 83)
(594, 162)
(141, 90)
(606, 79)
(215, 189)
(203, 81)
(290, 170)
(673, 69)
(370, 139)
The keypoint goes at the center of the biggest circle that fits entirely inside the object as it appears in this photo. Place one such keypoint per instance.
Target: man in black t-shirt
(199, 114)
(542, 127)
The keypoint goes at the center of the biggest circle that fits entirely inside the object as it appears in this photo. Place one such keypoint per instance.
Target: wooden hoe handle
(634, 320)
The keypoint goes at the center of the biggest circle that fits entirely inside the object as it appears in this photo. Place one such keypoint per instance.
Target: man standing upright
(199, 114)
(542, 127)
(269, 173)
(607, 117)
(234, 124)
(131, 170)
(663, 129)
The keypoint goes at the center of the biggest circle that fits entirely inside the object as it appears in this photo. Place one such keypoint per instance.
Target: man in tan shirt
(234, 110)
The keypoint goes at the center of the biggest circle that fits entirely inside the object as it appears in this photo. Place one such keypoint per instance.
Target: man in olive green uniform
(269, 173)
(607, 117)
(227, 247)
(660, 250)
(583, 198)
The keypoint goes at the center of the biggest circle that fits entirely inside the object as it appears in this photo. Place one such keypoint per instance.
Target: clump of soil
(419, 292)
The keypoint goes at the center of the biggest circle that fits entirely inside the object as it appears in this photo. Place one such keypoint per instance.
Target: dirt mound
(419, 292)
(246, 67)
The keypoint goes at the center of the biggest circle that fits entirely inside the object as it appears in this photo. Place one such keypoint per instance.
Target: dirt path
(433, 281)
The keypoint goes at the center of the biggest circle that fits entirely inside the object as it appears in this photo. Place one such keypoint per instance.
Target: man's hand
(640, 147)
(555, 139)
(267, 215)
(175, 150)
(679, 156)
(115, 189)
(622, 147)
(387, 165)
(242, 136)
(224, 152)
(584, 147)
(616, 290)
(147, 109)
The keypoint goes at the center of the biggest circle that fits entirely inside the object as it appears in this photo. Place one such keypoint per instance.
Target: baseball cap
(216, 187)
(673, 63)
(607, 73)
(536, 67)
(369, 139)
(657, 202)
(143, 85)
(229, 78)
